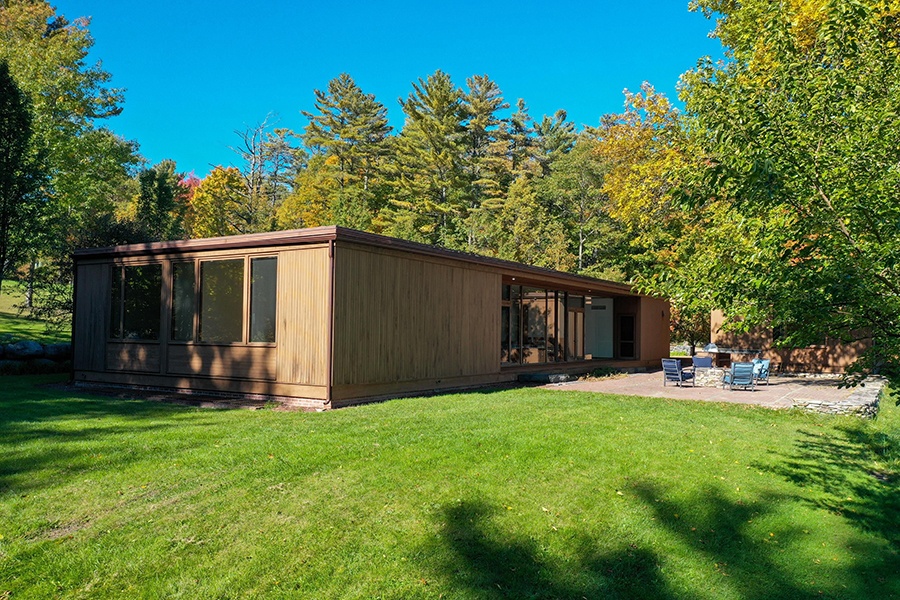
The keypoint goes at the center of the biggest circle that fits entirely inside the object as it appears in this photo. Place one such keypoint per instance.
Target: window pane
(183, 301)
(263, 277)
(221, 300)
(141, 306)
(115, 304)
(534, 302)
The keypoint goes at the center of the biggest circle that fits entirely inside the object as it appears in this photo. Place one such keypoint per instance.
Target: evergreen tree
(161, 203)
(485, 161)
(352, 127)
(554, 136)
(428, 200)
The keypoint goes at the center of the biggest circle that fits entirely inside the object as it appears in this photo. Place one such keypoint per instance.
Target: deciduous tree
(802, 126)
(21, 201)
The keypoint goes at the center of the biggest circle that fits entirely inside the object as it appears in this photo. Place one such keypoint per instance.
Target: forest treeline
(773, 195)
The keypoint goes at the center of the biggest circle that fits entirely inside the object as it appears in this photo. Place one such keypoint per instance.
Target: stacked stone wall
(27, 357)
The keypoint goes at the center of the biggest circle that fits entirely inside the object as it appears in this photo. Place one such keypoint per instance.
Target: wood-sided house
(331, 316)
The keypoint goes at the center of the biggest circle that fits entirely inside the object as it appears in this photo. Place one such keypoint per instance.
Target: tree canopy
(773, 194)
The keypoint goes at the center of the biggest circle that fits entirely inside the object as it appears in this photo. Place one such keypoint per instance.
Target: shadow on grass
(494, 567)
(710, 538)
(49, 435)
(839, 470)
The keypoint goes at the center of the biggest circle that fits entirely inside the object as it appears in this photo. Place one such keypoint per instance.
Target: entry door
(626, 336)
(598, 328)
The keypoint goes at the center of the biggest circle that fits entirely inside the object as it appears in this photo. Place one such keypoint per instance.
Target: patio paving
(814, 393)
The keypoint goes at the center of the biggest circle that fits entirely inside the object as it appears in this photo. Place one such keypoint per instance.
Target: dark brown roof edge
(331, 232)
(518, 269)
(249, 240)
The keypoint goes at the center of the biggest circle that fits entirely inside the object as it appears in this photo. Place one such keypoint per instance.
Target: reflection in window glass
(221, 300)
(183, 301)
(263, 274)
(141, 302)
(534, 301)
(115, 304)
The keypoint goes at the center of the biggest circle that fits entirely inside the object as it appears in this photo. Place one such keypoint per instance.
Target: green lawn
(15, 327)
(520, 493)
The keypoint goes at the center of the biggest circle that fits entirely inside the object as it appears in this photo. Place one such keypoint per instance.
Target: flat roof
(521, 273)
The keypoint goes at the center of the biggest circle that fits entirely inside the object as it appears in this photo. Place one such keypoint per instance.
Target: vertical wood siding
(91, 299)
(400, 318)
(302, 322)
(227, 362)
(654, 329)
(132, 356)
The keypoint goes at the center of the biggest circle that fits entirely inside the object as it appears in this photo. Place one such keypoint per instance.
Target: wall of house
(829, 357)
(654, 336)
(405, 323)
(295, 365)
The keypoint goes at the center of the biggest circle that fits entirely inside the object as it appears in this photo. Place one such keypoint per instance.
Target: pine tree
(352, 127)
(484, 162)
(428, 199)
(554, 136)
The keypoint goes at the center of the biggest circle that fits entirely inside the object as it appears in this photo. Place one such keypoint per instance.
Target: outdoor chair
(741, 375)
(672, 371)
(701, 362)
(761, 369)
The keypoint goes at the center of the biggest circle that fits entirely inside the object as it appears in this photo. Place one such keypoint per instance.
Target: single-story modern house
(828, 356)
(331, 316)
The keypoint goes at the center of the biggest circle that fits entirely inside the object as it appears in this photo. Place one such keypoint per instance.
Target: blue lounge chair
(761, 369)
(672, 371)
(701, 362)
(741, 375)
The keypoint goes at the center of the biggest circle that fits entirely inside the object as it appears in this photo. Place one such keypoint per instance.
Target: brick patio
(811, 393)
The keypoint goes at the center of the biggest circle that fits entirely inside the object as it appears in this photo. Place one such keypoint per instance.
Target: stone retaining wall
(33, 357)
(863, 402)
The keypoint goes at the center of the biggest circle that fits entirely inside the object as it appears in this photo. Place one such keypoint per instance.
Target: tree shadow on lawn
(711, 530)
(839, 472)
(509, 568)
(30, 441)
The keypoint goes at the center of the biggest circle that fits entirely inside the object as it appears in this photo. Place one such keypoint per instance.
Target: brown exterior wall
(302, 326)
(295, 365)
(830, 357)
(416, 321)
(653, 330)
(358, 316)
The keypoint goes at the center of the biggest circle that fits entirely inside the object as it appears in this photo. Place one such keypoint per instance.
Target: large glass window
(263, 278)
(183, 301)
(222, 300)
(135, 302)
(540, 326)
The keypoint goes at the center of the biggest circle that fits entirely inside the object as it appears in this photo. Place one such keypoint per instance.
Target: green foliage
(217, 206)
(21, 203)
(531, 236)
(802, 132)
(161, 204)
(522, 493)
(352, 127)
(428, 199)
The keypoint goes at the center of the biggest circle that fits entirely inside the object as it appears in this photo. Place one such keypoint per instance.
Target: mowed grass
(15, 327)
(521, 493)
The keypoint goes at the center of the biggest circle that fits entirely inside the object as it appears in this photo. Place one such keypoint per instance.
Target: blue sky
(194, 72)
